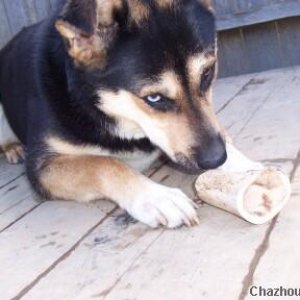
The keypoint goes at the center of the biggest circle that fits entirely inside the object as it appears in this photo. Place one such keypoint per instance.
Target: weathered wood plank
(30, 10)
(262, 88)
(227, 89)
(142, 264)
(183, 264)
(289, 41)
(139, 263)
(267, 13)
(15, 195)
(110, 243)
(43, 8)
(34, 243)
(16, 199)
(232, 56)
(259, 47)
(53, 4)
(9, 173)
(222, 7)
(5, 32)
(262, 47)
(16, 15)
(276, 124)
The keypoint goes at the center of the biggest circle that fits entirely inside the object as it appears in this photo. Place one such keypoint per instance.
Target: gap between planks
(263, 247)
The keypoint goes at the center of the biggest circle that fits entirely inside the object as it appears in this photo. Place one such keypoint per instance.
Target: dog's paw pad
(14, 153)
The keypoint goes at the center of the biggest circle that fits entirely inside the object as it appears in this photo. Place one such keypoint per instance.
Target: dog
(101, 89)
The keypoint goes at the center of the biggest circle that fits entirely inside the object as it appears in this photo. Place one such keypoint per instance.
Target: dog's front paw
(165, 206)
(14, 153)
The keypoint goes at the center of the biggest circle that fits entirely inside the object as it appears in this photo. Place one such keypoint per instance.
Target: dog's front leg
(87, 178)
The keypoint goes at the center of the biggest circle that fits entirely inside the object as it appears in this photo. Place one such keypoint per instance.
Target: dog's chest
(138, 160)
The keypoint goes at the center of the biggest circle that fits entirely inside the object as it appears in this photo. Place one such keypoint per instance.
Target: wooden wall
(259, 47)
(15, 14)
(238, 13)
(257, 35)
(254, 35)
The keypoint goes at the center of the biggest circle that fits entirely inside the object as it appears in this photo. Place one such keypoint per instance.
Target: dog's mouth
(191, 166)
(186, 165)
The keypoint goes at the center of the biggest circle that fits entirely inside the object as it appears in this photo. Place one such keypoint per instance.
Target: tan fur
(128, 130)
(197, 65)
(139, 12)
(105, 11)
(164, 4)
(87, 178)
(89, 51)
(168, 85)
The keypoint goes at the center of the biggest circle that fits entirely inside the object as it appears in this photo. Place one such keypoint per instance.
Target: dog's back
(20, 76)
(16, 68)
(20, 70)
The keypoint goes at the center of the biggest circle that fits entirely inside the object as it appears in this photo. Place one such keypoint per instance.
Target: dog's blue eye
(154, 98)
(160, 102)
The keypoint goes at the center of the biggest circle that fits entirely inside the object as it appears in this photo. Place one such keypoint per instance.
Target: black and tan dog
(100, 89)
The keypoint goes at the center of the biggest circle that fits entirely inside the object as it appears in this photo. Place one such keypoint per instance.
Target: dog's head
(152, 64)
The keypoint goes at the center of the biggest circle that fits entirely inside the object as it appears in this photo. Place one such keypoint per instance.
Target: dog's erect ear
(89, 28)
(88, 50)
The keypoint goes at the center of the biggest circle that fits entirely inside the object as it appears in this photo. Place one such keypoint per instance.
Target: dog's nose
(212, 154)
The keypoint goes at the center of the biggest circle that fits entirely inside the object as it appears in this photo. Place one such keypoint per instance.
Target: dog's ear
(89, 28)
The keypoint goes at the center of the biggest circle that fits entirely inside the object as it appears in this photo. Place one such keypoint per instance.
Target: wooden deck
(60, 251)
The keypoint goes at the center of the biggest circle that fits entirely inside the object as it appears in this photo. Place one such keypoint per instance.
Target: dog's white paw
(165, 206)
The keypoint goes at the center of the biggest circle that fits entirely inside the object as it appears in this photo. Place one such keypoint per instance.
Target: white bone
(245, 188)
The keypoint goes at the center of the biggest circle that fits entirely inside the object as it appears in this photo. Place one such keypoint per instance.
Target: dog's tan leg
(88, 178)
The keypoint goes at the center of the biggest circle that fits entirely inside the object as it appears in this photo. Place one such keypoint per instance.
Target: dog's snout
(212, 154)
